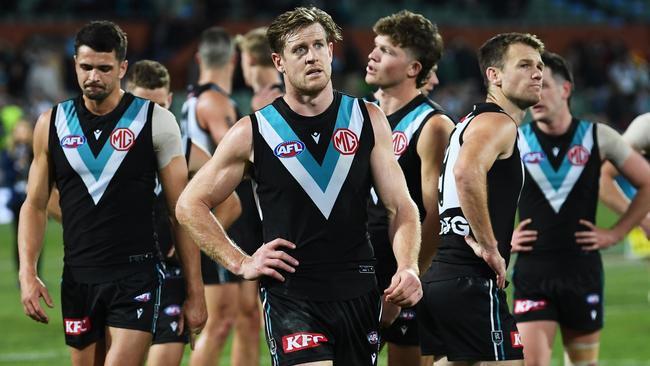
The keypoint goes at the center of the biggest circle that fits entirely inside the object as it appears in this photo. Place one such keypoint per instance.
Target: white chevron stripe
(97, 187)
(555, 198)
(323, 200)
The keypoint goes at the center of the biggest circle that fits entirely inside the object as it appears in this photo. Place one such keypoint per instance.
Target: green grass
(625, 339)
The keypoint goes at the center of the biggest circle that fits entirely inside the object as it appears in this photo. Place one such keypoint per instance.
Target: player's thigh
(538, 338)
(127, 346)
(222, 300)
(91, 355)
(166, 354)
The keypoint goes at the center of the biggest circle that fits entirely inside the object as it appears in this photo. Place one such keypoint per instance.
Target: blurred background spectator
(606, 41)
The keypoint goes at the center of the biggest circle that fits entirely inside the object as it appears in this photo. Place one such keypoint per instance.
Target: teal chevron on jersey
(321, 173)
(413, 120)
(97, 171)
(322, 182)
(556, 184)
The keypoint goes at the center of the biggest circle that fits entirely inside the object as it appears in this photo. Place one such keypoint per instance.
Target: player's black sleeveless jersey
(562, 182)
(191, 130)
(406, 124)
(246, 231)
(504, 182)
(104, 168)
(313, 178)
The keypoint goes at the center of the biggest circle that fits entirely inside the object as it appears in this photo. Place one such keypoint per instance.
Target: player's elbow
(184, 209)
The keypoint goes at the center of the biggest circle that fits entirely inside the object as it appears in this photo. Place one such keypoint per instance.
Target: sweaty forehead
(311, 32)
(89, 55)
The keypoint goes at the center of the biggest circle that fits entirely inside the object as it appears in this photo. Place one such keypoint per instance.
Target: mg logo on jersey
(73, 141)
(299, 341)
(457, 225)
(515, 340)
(578, 155)
(345, 141)
(76, 326)
(524, 305)
(534, 157)
(400, 143)
(122, 139)
(289, 149)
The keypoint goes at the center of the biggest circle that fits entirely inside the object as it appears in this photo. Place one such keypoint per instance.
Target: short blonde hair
(294, 20)
(257, 45)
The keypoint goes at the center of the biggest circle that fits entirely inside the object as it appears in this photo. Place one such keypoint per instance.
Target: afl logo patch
(73, 141)
(345, 141)
(578, 155)
(400, 142)
(289, 149)
(534, 157)
(122, 139)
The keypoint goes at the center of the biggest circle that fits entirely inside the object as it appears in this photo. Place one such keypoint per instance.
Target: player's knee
(581, 354)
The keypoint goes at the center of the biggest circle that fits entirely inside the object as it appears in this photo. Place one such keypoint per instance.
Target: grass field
(625, 340)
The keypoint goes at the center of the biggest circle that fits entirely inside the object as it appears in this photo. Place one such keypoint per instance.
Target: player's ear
(493, 75)
(414, 69)
(278, 62)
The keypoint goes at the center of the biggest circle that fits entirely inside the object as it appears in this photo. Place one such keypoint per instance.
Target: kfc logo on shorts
(345, 141)
(578, 155)
(143, 297)
(534, 157)
(172, 310)
(524, 306)
(373, 337)
(515, 340)
(73, 141)
(122, 139)
(303, 340)
(400, 143)
(497, 337)
(76, 326)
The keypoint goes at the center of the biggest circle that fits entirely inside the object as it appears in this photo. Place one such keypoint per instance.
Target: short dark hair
(492, 52)
(216, 47)
(148, 74)
(102, 36)
(417, 34)
(558, 65)
(294, 20)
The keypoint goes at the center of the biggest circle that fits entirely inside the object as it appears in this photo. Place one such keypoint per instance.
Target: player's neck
(220, 76)
(264, 77)
(394, 98)
(104, 106)
(309, 105)
(559, 125)
(508, 106)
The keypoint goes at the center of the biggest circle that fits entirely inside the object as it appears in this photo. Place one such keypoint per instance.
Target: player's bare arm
(404, 225)
(31, 230)
(215, 114)
(431, 150)
(489, 137)
(173, 178)
(637, 171)
(209, 187)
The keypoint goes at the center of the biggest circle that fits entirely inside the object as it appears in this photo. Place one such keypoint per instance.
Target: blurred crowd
(612, 81)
